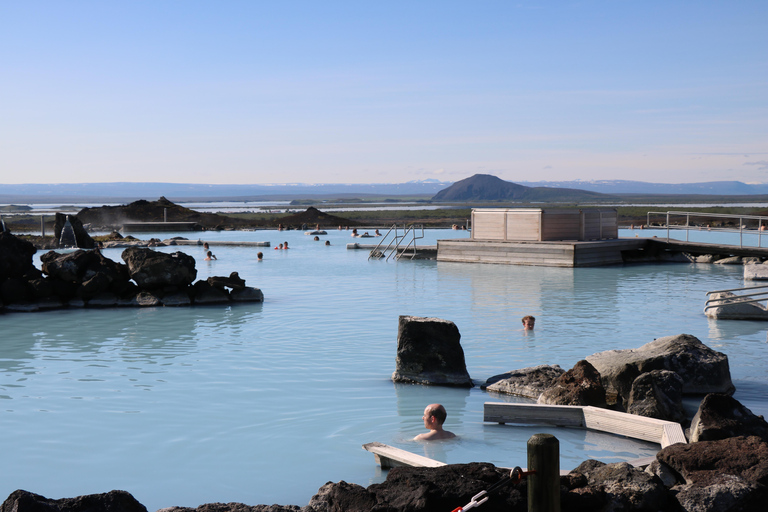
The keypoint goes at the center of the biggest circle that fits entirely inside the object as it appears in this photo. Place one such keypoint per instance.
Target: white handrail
(762, 221)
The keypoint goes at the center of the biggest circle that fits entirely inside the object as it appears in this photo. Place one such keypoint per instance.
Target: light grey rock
(706, 258)
(756, 272)
(734, 310)
(657, 394)
(731, 494)
(702, 369)
(732, 260)
(528, 382)
(429, 352)
(667, 476)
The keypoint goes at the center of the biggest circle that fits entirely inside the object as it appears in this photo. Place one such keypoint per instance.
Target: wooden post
(42, 225)
(544, 484)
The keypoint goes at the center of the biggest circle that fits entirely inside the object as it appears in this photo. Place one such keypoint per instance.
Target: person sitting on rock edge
(434, 417)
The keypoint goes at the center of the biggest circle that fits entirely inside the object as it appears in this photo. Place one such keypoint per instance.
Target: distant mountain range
(63, 193)
(727, 188)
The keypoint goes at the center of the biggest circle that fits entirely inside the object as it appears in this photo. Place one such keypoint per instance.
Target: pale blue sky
(372, 92)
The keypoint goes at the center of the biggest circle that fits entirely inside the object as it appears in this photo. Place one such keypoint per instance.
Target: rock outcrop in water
(528, 382)
(702, 369)
(86, 278)
(429, 352)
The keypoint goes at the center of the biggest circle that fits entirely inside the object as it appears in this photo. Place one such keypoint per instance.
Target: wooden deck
(547, 254)
(572, 253)
(662, 432)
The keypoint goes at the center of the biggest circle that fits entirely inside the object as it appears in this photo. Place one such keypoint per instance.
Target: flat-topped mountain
(484, 187)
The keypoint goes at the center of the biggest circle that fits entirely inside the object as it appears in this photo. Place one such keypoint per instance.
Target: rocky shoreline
(85, 278)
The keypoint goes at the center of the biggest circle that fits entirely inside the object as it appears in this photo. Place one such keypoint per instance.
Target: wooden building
(536, 236)
(538, 225)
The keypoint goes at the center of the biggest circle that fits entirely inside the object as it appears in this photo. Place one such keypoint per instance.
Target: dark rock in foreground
(724, 475)
(429, 352)
(234, 507)
(422, 489)
(113, 501)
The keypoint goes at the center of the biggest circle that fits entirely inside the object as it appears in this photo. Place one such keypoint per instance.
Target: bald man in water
(434, 417)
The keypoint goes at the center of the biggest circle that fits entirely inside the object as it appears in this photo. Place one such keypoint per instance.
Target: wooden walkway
(580, 254)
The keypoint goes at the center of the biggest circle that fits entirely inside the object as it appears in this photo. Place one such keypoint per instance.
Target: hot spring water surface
(264, 403)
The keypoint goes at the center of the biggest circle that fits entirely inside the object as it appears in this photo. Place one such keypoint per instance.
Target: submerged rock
(529, 382)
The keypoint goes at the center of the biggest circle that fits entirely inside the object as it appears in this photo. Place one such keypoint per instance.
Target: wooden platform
(662, 432)
(547, 254)
(390, 457)
(705, 248)
(224, 243)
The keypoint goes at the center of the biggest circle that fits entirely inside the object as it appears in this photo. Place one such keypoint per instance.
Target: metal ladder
(391, 244)
(746, 298)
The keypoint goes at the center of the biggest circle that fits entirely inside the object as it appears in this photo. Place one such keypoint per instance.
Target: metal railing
(747, 298)
(391, 244)
(750, 224)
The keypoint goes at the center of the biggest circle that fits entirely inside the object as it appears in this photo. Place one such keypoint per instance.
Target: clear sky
(382, 91)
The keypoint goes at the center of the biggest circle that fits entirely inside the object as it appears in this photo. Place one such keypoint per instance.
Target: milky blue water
(264, 403)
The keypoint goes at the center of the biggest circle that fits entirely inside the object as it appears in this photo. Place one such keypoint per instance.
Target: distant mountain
(727, 188)
(484, 187)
